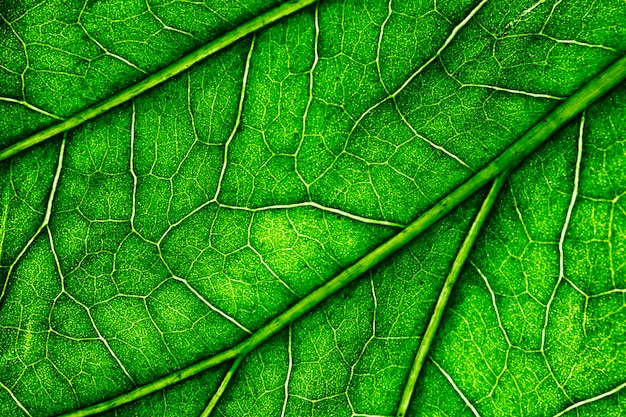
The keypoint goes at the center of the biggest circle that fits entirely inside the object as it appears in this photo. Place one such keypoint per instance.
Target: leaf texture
(175, 225)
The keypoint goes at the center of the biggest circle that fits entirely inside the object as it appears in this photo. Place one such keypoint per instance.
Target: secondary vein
(444, 295)
(222, 388)
(160, 76)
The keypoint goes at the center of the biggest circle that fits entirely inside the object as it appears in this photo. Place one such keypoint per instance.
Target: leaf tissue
(259, 208)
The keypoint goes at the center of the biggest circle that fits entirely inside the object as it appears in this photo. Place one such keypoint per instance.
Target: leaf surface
(172, 227)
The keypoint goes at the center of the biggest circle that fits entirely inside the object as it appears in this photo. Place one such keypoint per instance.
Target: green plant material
(222, 388)
(446, 291)
(170, 230)
(505, 162)
(157, 78)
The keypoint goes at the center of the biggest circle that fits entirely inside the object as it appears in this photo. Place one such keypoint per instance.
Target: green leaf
(139, 244)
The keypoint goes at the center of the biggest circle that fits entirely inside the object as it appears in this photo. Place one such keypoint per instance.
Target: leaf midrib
(508, 160)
